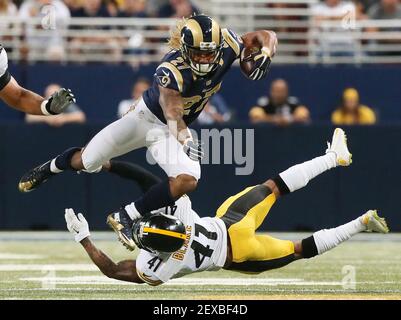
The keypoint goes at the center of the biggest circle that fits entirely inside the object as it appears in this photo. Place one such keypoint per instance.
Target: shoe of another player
(35, 177)
(122, 224)
(339, 147)
(374, 223)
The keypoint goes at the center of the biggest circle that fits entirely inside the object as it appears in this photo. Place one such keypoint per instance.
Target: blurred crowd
(276, 107)
(55, 16)
(330, 40)
(325, 9)
(334, 19)
(102, 8)
(279, 107)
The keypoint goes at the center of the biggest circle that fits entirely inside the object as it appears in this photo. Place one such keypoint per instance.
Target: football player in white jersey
(27, 101)
(178, 242)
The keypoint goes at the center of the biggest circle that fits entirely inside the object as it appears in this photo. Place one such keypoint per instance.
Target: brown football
(246, 60)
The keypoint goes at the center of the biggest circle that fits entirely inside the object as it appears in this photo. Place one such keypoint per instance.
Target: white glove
(77, 225)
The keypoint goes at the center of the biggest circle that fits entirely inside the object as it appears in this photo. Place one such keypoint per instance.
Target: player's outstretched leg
(131, 171)
(298, 176)
(327, 239)
(273, 253)
(118, 138)
(40, 174)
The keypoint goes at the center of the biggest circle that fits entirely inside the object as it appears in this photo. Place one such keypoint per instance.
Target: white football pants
(139, 128)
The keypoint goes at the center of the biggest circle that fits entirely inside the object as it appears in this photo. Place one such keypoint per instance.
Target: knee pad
(91, 164)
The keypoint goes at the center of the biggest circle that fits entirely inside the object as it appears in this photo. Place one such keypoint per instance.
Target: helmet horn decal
(215, 32)
(196, 31)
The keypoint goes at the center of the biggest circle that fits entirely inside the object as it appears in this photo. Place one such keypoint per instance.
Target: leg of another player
(131, 171)
(162, 195)
(119, 137)
(298, 176)
(183, 175)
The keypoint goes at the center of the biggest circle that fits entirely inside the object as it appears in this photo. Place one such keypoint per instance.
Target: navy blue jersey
(174, 73)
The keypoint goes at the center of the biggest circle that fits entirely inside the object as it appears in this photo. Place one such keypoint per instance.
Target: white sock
(53, 167)
(132, 211)
(298, 176)
(328, 239)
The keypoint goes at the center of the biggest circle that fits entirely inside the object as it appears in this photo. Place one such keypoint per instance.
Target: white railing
(143, 40)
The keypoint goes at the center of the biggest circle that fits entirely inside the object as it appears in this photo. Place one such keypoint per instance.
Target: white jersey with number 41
(205, 248)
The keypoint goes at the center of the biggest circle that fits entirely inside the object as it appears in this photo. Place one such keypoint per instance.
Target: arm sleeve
(184, 208)
(142, 270)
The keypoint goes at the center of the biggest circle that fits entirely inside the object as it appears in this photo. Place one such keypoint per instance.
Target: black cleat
(35, 177)
(122, 224)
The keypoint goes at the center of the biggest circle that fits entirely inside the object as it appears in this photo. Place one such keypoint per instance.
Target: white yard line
(197, 282)
(100, 280)
(146, 289)
(16, 256)
(41, 267)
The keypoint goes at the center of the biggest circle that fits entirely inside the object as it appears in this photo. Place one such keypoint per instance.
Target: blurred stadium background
(106, 52)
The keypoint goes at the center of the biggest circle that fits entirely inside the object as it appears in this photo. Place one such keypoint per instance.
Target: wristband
(266, 51)
(79, 237)
(44, 109)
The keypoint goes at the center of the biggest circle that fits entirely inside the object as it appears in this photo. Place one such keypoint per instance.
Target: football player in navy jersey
(27, 101)
(201, 54)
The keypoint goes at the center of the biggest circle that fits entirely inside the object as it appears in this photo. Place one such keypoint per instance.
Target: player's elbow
(109, 273)
(110, 270)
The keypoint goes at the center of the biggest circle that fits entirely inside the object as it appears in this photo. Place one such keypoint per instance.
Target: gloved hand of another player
(194, 150)
(262, 64)
(58, 102)
(77, 225)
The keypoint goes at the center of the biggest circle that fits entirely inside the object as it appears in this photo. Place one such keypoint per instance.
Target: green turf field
(52, 266)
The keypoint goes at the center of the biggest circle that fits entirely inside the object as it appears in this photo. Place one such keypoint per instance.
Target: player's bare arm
(21, 99)
(123, 270)
(29, 102)
(264, 39)
(173, 109)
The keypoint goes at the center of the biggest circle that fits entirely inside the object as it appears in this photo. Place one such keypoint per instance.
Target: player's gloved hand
(58, 102)
(194, 150)
(77, 225)
(262, 64)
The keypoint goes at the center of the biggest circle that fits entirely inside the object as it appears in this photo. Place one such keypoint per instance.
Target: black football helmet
(159, 233)
(201, 44)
